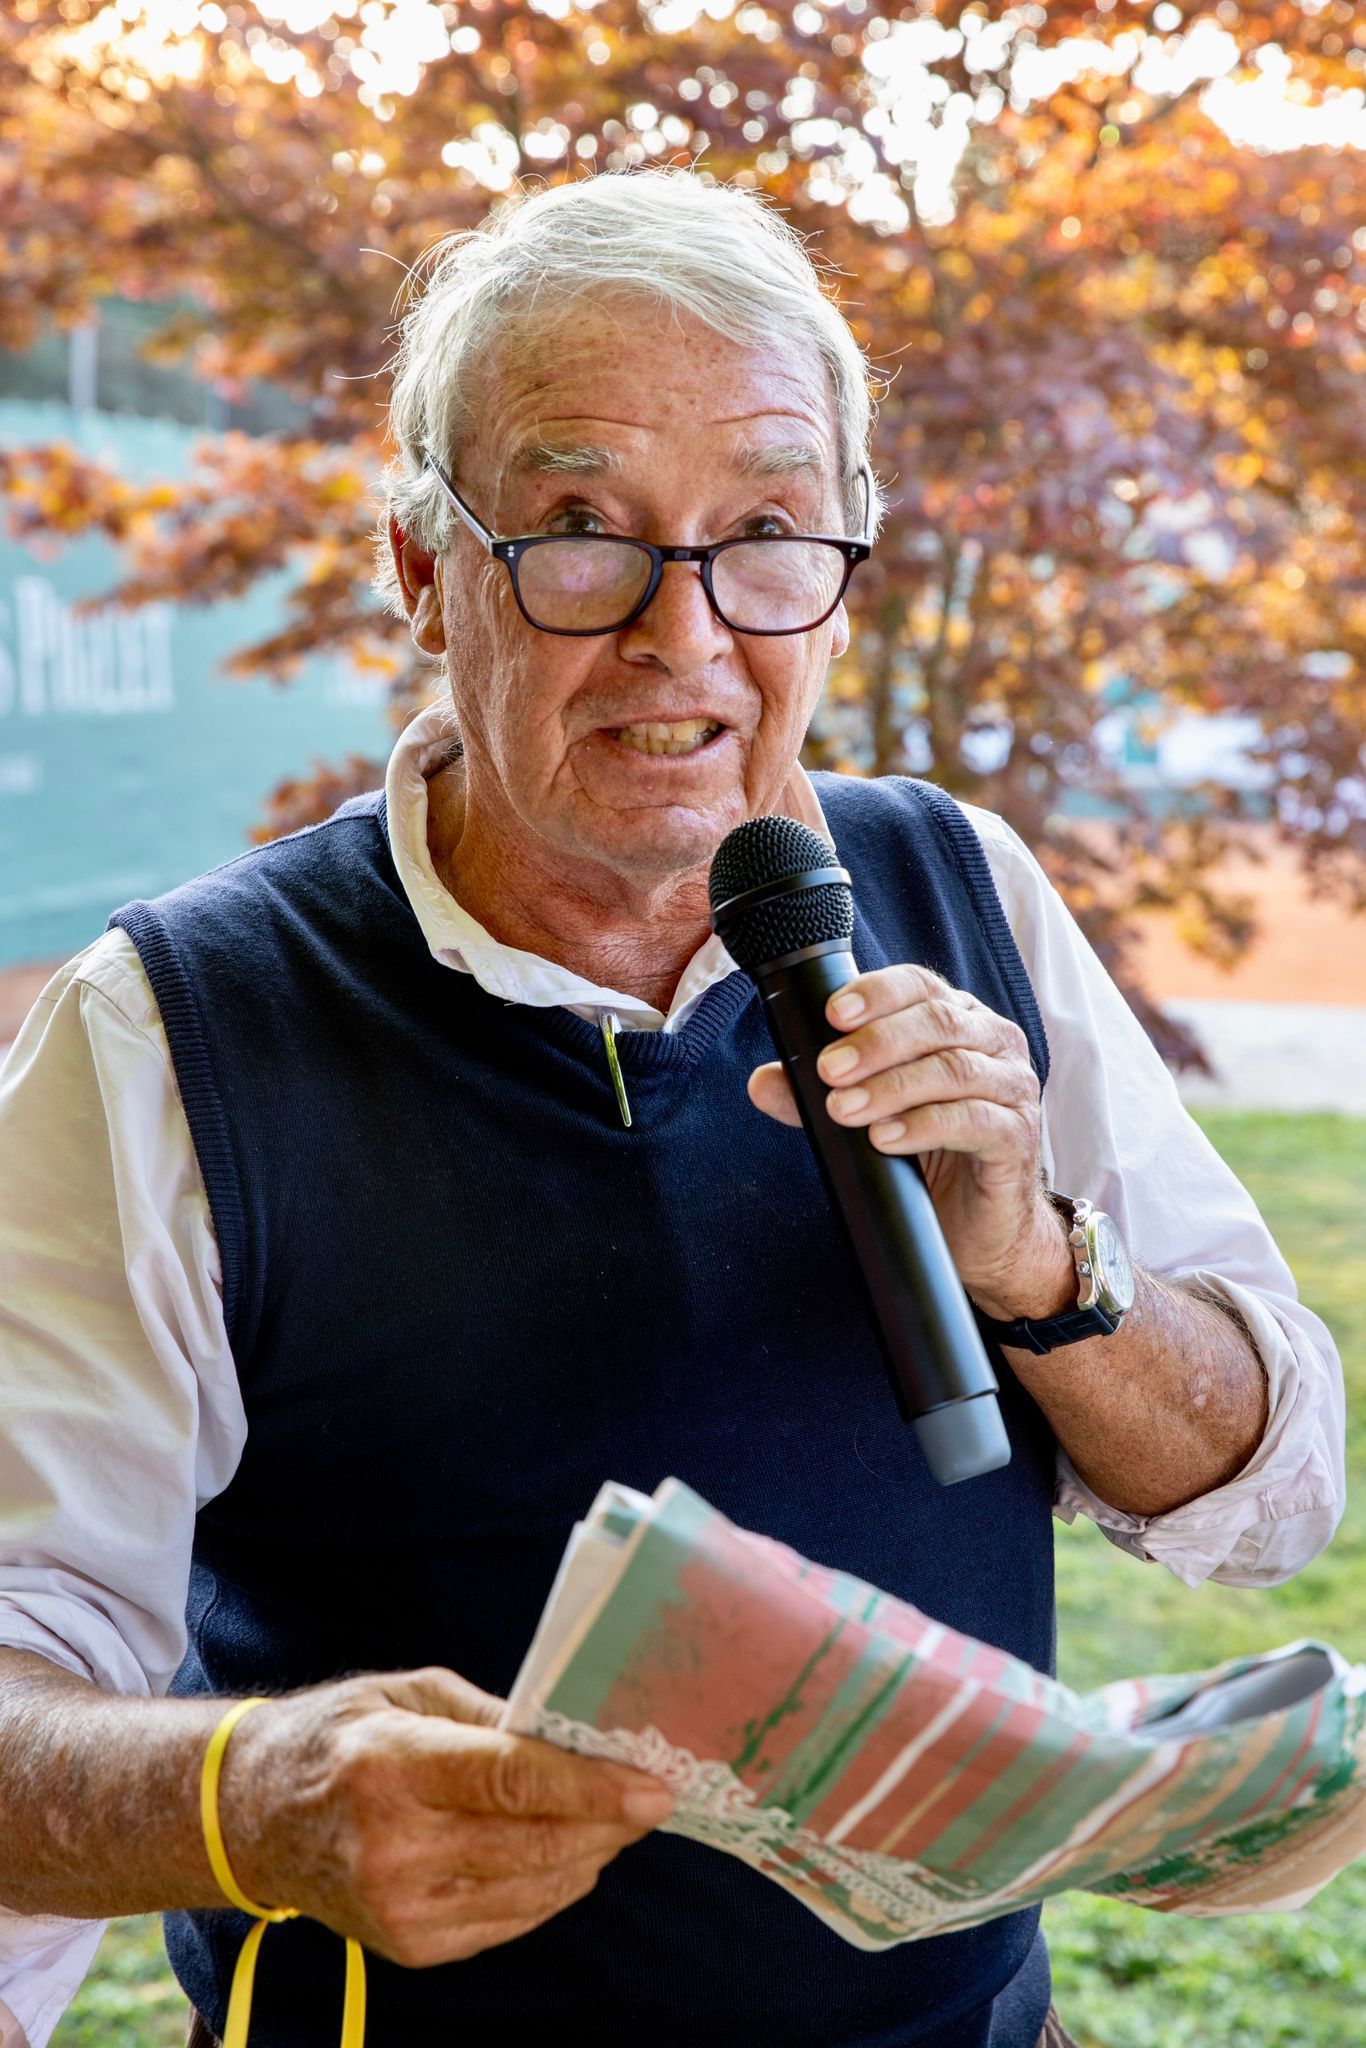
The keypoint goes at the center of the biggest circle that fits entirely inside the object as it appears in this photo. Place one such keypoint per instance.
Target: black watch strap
(1049, 1332)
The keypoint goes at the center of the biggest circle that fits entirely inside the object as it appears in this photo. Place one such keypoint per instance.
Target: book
(902, 1780)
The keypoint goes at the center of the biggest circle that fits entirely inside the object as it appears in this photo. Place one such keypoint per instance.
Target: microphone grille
(766, 850)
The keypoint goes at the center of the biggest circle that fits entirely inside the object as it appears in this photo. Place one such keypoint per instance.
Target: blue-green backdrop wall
(128, 759)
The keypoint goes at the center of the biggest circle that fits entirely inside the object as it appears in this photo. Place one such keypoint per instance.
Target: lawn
(1124, 1978)
(1128, 1979)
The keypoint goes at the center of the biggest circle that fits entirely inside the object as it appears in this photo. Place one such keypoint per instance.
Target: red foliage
(1125, 431)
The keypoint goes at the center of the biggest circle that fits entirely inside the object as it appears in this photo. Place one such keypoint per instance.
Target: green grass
(130, 1999)
(1124, 1978)
(1129, 1979)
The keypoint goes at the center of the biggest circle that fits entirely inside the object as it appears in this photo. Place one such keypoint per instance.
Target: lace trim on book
(714, 1807)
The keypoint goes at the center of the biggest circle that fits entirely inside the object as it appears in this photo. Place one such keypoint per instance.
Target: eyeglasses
(585, 583)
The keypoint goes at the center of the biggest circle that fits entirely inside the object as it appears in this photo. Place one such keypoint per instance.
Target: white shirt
(120, 1411)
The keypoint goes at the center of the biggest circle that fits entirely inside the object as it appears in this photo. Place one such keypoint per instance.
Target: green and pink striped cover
(901, 1780)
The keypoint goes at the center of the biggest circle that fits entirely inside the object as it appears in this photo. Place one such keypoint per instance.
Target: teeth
(682, 738)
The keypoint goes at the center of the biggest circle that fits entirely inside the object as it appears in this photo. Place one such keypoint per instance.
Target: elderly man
(368, 1202)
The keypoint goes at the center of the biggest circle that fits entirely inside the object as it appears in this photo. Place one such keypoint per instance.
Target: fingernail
(837, 1060)
(649, 1806)
(848, 1006)
(848, 1101)
(887, 1134)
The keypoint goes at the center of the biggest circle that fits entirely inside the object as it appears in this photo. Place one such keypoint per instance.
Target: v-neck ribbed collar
(458, 940)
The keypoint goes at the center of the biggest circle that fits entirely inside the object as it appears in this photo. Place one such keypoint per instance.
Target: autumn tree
(1123, 425)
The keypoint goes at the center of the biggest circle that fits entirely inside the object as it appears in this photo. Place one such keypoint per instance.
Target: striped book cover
(902, 1780)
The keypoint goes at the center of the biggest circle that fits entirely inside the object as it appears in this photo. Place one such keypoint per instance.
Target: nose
(678, 631)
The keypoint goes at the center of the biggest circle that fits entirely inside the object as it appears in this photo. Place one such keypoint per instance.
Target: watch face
(1113, 1268)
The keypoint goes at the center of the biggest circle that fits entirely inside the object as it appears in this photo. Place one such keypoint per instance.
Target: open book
(902, 1780)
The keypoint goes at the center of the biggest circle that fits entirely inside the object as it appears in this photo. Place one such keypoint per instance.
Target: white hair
(721, 255)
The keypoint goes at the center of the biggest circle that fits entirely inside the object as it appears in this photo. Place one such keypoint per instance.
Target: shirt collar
(458, 940)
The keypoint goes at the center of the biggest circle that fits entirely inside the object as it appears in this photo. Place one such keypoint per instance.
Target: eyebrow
(777, 461)
(583, 458)
(555, 458)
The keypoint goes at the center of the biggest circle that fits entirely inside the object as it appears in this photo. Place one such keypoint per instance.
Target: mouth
(684, 736)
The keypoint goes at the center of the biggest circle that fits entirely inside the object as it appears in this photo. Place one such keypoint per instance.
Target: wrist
(264, 1773)
(101, 1798)
(1042, 1279)
(285, 1804)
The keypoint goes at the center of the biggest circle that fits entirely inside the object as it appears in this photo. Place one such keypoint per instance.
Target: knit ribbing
(202, 1100)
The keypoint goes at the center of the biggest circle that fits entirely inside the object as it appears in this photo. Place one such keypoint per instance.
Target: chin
(669, 845)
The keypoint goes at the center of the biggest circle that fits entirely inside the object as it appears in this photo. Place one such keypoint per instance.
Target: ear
(839, 632)
(419, 582)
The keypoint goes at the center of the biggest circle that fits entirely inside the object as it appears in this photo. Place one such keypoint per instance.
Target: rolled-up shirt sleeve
(1115, 1130)
(119, 1406)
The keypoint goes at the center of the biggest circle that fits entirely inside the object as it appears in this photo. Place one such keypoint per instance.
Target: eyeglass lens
(777, 586)
(581, 586)
(760, 586)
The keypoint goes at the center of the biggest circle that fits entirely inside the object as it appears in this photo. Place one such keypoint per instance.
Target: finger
(885, 989)
(449, 1922)
(434, 1690)
(771, 1091)
(532, 1898)
(450, 1935)
(422, 1947)
(989, 1131)
(518, 1775)
(906, 1035)
(958, 1074)
(490, 1846)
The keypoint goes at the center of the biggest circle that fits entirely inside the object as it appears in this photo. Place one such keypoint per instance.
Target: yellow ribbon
(243, 1977)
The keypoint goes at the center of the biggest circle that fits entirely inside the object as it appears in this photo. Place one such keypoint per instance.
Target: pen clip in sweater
(611, 1024)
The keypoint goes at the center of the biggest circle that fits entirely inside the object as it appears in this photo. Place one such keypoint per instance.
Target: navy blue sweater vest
(460, 1296)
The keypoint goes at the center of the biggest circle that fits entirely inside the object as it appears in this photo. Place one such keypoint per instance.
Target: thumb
(434, 1690)
(771, 1091)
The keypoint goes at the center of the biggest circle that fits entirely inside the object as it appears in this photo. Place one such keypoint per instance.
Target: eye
(762, 525)
(575, 518)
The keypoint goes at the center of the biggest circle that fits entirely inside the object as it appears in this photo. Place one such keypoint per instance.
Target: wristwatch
(1105, 1285)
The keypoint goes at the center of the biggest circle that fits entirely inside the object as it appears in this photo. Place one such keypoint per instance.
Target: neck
(614, 930)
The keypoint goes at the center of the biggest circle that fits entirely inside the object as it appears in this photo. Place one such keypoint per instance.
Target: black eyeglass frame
(509, 551)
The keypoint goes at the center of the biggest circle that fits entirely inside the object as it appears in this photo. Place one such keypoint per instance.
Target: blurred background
(1110, 262)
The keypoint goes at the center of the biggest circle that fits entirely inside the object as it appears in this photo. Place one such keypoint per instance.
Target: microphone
(784, 911)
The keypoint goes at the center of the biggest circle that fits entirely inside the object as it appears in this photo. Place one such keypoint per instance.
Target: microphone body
(932, 1348)
(934, 1351)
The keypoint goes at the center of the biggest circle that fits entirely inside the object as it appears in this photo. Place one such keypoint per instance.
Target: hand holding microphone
(956, 1080)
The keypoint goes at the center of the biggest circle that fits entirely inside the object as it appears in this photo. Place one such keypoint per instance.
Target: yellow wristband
(239, 2000)
(208, 1816)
